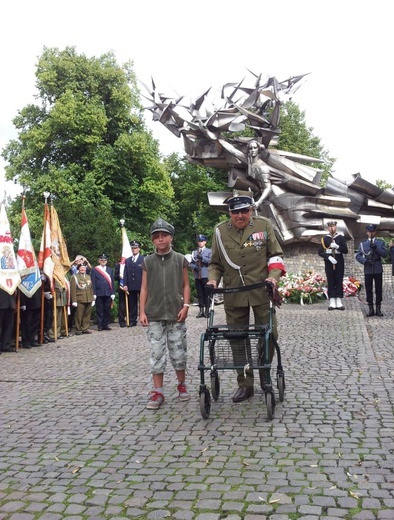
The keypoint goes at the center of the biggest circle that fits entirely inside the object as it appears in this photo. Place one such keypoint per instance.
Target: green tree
(297, 137)
(85, 142)
(193, 214)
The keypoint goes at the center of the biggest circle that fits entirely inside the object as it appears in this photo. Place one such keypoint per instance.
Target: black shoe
(106, 328)
(38, 344)
(122, 325)
(86, 332)
(8, 349)
(243, 393)
(341, 308)
(27, 346)
(100, 328)
(46, 340)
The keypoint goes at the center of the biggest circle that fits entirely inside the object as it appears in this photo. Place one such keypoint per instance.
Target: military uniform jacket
(250, 250)
(371, 258)
(132, 276)
(200, 265)
(81, 288)
(325, 251)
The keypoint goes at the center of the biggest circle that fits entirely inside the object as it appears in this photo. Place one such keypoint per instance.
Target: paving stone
(81, 443)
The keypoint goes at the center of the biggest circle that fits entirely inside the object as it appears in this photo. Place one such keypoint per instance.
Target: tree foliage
(85, 142)
(193, 215)
(297, 137)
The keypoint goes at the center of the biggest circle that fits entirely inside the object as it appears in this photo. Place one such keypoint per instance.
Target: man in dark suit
(104, 292)
(132, 279)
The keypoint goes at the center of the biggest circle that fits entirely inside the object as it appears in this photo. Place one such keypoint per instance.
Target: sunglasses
(244, 211)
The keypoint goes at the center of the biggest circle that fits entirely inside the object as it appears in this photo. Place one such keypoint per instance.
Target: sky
(187, 47)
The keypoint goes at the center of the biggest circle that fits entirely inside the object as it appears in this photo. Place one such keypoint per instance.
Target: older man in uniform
(245, 251)
(132, 280)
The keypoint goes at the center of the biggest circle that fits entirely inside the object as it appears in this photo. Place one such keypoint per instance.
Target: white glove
(48, 295)
(112, 297)
(23, 307)
(94, 296)
(332, 260)
(93, 303)
(333, 245)
(75, 304)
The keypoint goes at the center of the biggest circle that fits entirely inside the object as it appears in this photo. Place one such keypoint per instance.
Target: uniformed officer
(245, 251)
(370, 253)
(332, 248)
(200, 259)
(82, 299)
(132, 279)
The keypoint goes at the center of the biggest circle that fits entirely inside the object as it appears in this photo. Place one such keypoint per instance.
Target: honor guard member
(82, 299)
(104, 292)
(199, 264)
(332, 248)
(245, 251)
(132, 279)
(370, 253)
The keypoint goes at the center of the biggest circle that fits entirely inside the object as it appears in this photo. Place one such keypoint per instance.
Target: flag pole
(18, 299)
(53, 289)
(46, 195)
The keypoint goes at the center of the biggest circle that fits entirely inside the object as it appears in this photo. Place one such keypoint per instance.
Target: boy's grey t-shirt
(165, 285)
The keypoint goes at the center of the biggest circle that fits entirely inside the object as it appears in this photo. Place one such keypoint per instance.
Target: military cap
(201, 238)
(332, 223)
(103, 257)
(163, 226)
(240, 202)
(135, 243)
(82, 264)
(371, 227)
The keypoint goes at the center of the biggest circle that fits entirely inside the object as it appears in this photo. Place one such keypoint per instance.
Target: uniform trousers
(202, 295)
(334, 274)
(82, 317)
(103, 310)
(369, 280)
(6, 326)
(134, 297)
(122, 314)
(241, 316)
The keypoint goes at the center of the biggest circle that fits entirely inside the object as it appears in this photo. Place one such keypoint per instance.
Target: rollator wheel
(280, 378)
(215, 385)
(270, 403)
(205, 403)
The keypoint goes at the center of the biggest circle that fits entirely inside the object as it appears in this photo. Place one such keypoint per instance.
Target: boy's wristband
(186, 304)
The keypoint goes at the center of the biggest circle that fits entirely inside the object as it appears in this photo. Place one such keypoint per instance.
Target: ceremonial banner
(45, 262)
(26, 261)
(60, 256)
(126, 253)
(9, 274)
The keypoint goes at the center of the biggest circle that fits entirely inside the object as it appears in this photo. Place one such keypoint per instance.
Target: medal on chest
(257, 240)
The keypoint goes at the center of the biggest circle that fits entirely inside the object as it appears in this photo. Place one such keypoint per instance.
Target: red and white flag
(9, 274)
(126, 253)
(45, 262)
(26, 261)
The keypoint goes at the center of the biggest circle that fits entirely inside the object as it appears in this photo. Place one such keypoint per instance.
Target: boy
(164, 304)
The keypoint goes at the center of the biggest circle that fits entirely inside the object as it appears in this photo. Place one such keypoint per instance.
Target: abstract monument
(285, 186)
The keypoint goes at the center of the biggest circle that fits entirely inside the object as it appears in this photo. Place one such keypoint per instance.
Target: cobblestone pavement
(77, 440)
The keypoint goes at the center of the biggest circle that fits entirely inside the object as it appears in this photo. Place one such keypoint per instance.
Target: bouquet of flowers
(307, 287)
(351, 286)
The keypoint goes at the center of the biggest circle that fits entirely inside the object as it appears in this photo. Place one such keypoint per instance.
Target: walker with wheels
(226, 347)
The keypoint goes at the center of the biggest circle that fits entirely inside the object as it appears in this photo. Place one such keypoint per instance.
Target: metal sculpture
(285, 185)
